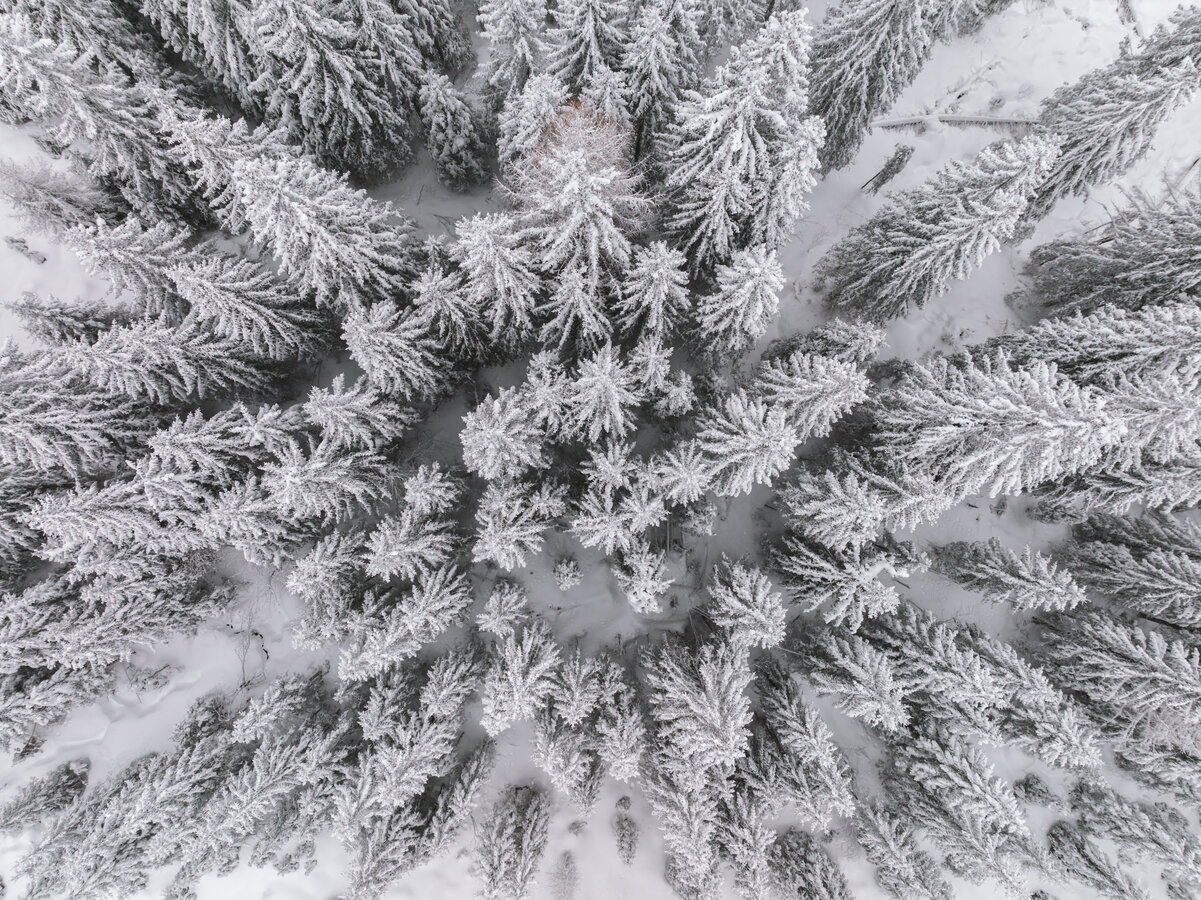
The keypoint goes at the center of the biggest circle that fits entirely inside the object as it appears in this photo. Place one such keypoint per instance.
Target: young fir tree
(865, 53)
(1028, 580)
(1145, 254)
(499, 275)
(910, 251)
(733, 317)
(722, 195)
(1107, 121)
(642, 574)
(588, 36)
(452, 133)
(513, 29)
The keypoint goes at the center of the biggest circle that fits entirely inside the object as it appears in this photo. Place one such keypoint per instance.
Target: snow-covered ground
(1019, 57)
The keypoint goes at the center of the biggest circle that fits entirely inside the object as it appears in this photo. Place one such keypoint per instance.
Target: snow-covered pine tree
(390, 51)
(324, 89)
(745, 443)
(1109, 344)
(799, 762)
(393, 626)
(949, 788)
(1150, 567)
(113, 122)
(215, 36)
(848, 580)
(356, 416)
(511, 842)
(654, 296)
(394, 349)
(335, 241)
(1141, 685)
(860, 675)
(723, 196)
(499, 275)
(865, 52)
(579, 196)
(328, 482)
(813, 391)
(903, 869)
(154, 361)
(1083, 861)
(1028, 580)
(743, 603)
(511, 519)
(912, 249)
(411, 546)
(1160, 486)
(801, 865)
(603, 397)
(526, 115)
(1107, 121)
(447, 312)
(52, 202)
(608, 93)
(954, 18)
(453, 135)
(657, 73)
(643, 577)
(500, 438)
(732, 318)
(573, 314)
(1153, 831)
(1145, 254)
(53, 321)
(241, 300)
(947, 680)
(588, 35)
(96, 27)
(520, 676)
(699, 703)
(137, 259)
(513, 29)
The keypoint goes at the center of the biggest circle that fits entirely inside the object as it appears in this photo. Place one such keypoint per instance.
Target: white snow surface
(1019, 57)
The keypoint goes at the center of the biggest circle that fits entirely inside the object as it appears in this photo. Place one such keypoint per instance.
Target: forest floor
(1003, 72)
